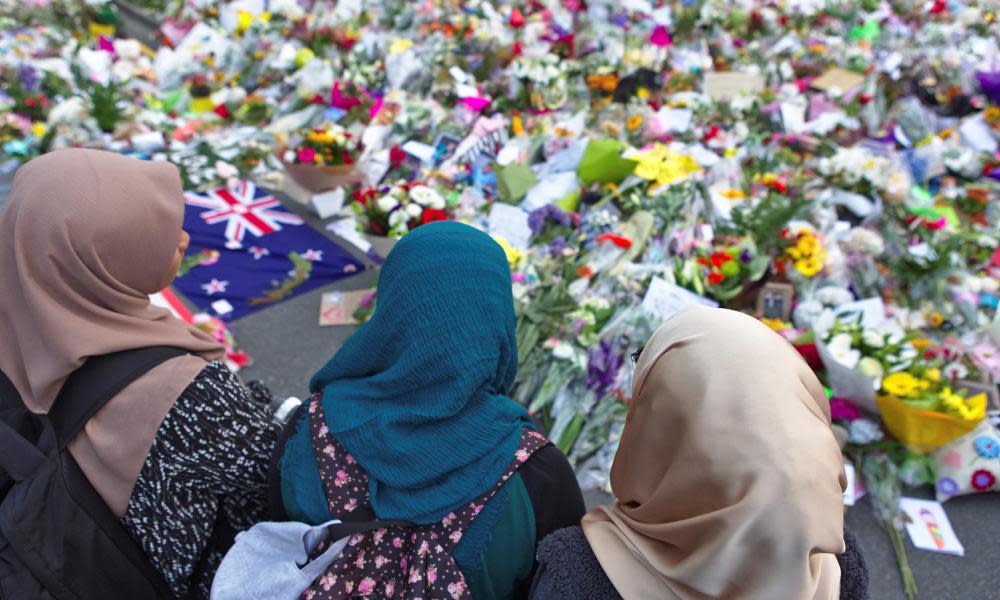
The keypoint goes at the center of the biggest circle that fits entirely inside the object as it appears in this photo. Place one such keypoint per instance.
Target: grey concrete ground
(289, 347)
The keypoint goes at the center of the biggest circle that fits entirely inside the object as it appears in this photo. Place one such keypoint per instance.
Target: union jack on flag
(250, 251)
(244, 209)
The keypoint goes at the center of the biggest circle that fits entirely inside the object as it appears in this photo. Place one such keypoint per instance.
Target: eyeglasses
(635, 355)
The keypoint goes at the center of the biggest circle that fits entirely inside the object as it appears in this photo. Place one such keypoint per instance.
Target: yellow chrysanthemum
(400, 45)
(902, 385)
(664, 166)
(970, 409)
(733, 194)
(634, 122)
(933, 375)
(809, 266)
(38, 129)
(775, 324)
(514, 256)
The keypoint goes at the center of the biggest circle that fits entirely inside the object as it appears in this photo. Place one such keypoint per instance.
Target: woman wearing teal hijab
(418, 396)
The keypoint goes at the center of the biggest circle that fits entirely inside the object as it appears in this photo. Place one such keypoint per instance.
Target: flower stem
(909, 584)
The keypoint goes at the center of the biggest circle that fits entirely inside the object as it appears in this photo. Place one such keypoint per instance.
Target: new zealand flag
(247, 252)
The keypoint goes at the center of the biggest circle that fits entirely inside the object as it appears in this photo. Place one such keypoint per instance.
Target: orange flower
(634, 122)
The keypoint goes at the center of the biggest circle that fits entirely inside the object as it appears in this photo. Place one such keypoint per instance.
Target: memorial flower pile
(804, 162)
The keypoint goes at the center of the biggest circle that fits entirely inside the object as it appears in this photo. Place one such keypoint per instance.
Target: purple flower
(946, 486)
(745, 256)
(621, 19)
(28, 76)
(536, 220)
(557, 246)
(602, 368)
(989, 81)
(559, 215)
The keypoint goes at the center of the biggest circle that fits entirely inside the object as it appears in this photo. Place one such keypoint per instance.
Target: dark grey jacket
(568, 570)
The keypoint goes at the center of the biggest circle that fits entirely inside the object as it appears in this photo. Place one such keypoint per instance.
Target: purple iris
(538, 218)
(28, 76)
(602, 368)
(557, 246)
(989, 81)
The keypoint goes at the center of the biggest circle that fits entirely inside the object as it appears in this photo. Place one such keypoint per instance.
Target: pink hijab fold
(85, 237)
(728, 480)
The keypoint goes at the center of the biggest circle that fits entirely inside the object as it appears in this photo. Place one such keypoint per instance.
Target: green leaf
(757, 267)
(602, 162)
(568, 438)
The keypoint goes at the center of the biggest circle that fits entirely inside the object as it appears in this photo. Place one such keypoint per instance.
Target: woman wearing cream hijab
(728, 480)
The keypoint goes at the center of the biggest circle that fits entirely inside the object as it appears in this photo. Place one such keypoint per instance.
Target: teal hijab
(418, 394)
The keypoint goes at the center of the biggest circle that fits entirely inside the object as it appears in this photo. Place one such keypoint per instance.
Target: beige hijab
(728, 481)
(85, 237)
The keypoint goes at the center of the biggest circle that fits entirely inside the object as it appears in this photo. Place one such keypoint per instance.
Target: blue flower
(987, 447)
(947, 487)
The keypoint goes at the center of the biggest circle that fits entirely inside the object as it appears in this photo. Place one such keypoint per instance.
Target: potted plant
(322, 158)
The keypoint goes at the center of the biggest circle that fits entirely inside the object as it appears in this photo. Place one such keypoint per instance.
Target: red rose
(222, 111)
(396, 156)
(347, 157)
(811, 354)
(720, 258)
(716, 278)
(432, 214)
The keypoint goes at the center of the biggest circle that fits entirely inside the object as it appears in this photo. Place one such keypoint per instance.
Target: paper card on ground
(347, 230)
(663, 298)
(422, 152)
(872, 311)
(839, 79)
(329, 203)
(337, 308)
(855, 486)
(928, 526)
(976, 133)
(510, 223)
(674, 119)
(723, 85)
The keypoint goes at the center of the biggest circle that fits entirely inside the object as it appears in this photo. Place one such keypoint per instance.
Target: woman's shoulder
(568, 568)
(554, 492)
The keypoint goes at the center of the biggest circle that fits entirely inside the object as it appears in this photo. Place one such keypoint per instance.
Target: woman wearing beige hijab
(85, 237)
(728, 480)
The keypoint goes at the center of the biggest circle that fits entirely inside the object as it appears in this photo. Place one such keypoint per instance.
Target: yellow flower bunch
(633, 122)
(664, 166)
(808, 254)
(970, 409)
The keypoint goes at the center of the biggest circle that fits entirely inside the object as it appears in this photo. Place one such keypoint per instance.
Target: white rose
(563, 351)
(870, 367)
(872, 338)
(386, 203)
(425, 196)
(398, 219)
(832, 295)
(413, 210)
(840, 349)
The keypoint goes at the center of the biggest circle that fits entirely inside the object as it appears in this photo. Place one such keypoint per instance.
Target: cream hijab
(728, 480)
(85, 237)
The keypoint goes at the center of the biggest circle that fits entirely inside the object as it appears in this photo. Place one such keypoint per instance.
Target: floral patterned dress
(394, 561)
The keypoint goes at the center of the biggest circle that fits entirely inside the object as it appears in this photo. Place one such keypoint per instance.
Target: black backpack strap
(9, 398)
(99, 380)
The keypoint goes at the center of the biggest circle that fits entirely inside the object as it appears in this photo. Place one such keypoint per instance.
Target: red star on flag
(215, 286)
